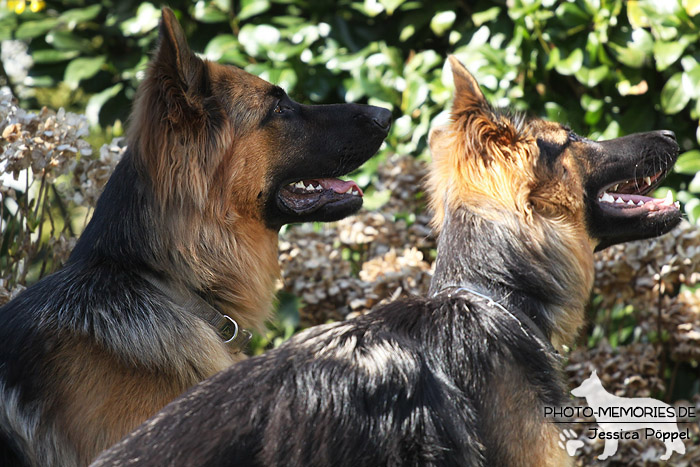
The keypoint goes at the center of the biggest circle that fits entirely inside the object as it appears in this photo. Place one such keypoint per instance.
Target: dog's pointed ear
(468, 94)
(174, 56)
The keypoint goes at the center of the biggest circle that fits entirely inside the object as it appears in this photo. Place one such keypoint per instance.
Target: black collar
(526, 324)
(225, 326)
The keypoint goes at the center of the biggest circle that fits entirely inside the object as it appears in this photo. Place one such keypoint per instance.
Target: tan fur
(527, 441)
(100, 398)
(490, 163)
(222, 243)
(217, 240)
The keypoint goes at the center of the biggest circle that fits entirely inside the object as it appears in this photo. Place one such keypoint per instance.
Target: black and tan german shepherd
(181, 250)
(460, 378)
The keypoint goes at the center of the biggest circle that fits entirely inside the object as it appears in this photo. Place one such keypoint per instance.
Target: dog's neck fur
(493, 258)
(231, 263)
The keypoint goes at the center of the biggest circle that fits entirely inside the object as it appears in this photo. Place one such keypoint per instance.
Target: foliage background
(605, 67)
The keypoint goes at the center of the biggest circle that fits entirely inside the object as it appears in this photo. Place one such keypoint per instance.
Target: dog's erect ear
(467, 91)
(174, 56)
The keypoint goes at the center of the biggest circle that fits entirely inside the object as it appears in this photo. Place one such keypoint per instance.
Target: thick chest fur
(78, 398)
(98, 399)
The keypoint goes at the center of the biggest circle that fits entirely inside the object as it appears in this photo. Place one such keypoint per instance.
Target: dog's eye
(549, 151)
(574, 138)
(281, 108)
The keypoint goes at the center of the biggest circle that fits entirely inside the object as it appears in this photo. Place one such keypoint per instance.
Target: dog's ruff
(226, 327)
(526, 324)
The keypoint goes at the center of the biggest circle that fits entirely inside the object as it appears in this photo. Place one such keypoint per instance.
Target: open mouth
(628, 197)
(305, 196)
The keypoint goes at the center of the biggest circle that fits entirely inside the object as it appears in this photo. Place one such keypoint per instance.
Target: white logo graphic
(572, 444)
(617, 415)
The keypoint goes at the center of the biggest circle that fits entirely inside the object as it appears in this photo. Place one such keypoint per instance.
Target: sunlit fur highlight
(208, 165)
(488, 163)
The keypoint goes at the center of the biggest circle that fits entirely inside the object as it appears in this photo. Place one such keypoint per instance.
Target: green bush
(605, 67)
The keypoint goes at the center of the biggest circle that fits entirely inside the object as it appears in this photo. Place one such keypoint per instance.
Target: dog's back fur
(382, 389)
(460, 378)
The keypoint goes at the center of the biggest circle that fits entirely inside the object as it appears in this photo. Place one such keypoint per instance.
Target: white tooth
(615, 187)
(355, 192)
(630, 202)
(619, 201)
(648, 180)
(677, 204)
(319, 188)
(310, 188)
(640, 203)
(668, 200)
(299, 185)
(607, 198)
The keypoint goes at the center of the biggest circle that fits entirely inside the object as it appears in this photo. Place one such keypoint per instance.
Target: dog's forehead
(239, 82)
(552, 132)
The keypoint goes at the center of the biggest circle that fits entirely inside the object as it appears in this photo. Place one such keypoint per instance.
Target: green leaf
(591, 104)
(391, 5)
(694, 185)
(8, 25)
(485, 16)
(146, 19)
(407, 32)
(692, 7)
(256, 39)
(673, 96)
(80, 15)
(415, 95)
(370, 8)
(53, 56)
(590, 77)
(691, 81)
(287, 79)
(82, 68)
(570, 64)
(688, 163)
(571, 15)
(97, 101)
(252, 8)
(667, 53)
(65, 40)
(692, 208)
(637, 16)
(442, 21)
(207, 13)
(32, 29)
(219, 45)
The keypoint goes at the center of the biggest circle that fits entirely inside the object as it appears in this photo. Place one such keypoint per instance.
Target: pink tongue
(339, 186)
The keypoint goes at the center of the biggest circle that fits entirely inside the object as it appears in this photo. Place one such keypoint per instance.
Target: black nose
(668, 134)
(381, 117)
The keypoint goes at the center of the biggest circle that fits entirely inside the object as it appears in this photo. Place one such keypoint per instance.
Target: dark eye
(281, 108)
(549, 151)
(574, 138)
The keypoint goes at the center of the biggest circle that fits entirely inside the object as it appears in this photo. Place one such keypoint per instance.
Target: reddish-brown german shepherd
(181, 250)
(461, 378)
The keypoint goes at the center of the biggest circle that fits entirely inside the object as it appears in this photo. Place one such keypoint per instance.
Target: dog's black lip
(327, 198)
